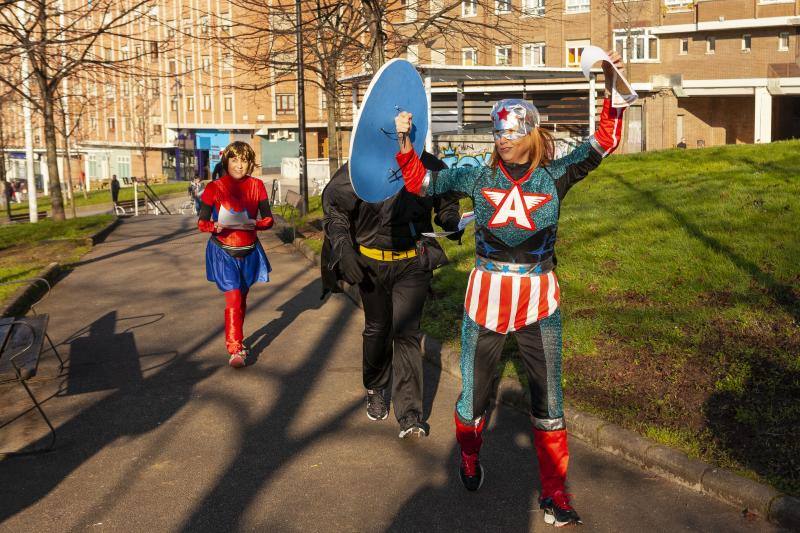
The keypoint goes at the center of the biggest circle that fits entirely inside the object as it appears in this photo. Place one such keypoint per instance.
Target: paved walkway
(156, 433)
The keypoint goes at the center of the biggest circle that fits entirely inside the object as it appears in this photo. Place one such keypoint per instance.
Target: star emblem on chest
(513, 206)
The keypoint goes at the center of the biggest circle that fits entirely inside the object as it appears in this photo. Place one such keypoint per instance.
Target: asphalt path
(157, 433)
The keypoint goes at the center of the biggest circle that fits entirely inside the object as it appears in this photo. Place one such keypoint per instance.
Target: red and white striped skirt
(504, 303)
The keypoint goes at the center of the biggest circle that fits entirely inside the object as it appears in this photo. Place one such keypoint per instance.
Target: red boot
(469, 437)
(553, 455)
(234, 336)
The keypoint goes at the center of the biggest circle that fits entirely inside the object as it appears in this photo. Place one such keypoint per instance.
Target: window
(138, 50)
(206, 102)
(154, 90)
(412, 53)
(469, 57)
(206, 62)
(574, 50)
(284, 104)
(204, 24)
(469, 8)
(783, 41)
(533, 8)
(126, 123)
(645, 45)
(156, 129)
(577, 6)
(683, 46)
(109, 54)
(227, 62)
(124, 52)
(711, 45)
(438, 56)
(190, 103)
(747, 41)
(502, 6)
(126, 89)
(533, 55)
(171, 66)
(228, 103)
(410, 7)
(323, 100)
(110, 92)
(154, 51)
(189, 63)
(174, 104)
(111, 123)
(502, 55)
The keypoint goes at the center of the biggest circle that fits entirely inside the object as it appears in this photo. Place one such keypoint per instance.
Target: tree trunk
(68, 167)
(377, 55)
(56, 200)
(333, 144)
(144, 162)
(3, 177)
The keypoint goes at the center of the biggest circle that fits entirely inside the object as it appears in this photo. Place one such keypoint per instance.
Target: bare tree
(62, 39)
(144, 105)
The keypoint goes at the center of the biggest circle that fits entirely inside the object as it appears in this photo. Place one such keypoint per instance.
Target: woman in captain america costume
(235, 259)
(513, 287)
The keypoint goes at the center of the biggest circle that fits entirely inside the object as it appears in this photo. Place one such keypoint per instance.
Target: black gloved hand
(352, 266)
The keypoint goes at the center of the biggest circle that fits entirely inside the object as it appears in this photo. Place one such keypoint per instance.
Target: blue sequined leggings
(540, 351)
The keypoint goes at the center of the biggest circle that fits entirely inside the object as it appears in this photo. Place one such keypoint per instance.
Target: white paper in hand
(593, 54)
(466, 218)
(234, 219)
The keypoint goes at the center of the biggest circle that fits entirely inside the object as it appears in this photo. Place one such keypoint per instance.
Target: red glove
(206, 226)
(609, 131)
(264, 223)
(412, 169)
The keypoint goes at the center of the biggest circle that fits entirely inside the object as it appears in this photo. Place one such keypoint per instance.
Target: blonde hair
(541, 149)
(243, 151)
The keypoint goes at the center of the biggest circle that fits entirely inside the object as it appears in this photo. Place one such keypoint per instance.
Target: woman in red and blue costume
(235, 260)
(513, 287)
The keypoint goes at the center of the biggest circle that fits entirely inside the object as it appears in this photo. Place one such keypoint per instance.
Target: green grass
(25, 249)
(681, 300)
(103, 197)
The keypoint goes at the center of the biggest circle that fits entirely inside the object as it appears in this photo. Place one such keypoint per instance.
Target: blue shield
(374, 172)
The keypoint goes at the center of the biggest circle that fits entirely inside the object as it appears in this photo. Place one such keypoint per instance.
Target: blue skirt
(231, 273)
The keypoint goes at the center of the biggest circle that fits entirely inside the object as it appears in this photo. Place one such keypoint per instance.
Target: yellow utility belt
(387, 255)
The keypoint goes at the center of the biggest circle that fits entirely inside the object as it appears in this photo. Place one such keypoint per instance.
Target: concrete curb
(20, 301)
(101, 235)
(778, 508)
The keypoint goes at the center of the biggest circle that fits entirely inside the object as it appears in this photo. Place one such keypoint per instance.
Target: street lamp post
(301, 112)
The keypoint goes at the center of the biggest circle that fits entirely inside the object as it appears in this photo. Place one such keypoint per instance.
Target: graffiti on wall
(465, 156)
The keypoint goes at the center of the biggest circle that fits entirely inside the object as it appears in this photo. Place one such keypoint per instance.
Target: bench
(21, 343)
(126, 207)
(25, 217)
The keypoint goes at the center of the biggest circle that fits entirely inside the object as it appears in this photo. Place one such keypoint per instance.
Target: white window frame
(678, 5)
(577, 6)
(641, 38)
(761, 2)
(205, 61)
(436, 54)
(469, 8)
(471, 51)
(506, 55)
(410, 11)
(206, 102)
(529, 53)
(784, 35)
(681, 51)
(412, 53)
(227, 102)
(505, 9)
(576, 44)
(190, 103)
(711, 45)
(747, 47)
(533, 8)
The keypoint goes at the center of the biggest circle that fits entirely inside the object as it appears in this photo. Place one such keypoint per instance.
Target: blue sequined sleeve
(460, 180)
(573, 167)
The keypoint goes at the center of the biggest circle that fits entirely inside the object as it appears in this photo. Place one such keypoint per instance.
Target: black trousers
(393, 294)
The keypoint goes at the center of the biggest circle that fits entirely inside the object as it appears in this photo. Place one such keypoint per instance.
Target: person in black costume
(380, 248)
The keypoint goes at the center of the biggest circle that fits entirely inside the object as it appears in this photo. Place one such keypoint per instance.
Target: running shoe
(376, 405)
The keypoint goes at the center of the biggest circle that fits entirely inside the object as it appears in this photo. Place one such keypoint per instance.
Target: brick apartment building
(708, 71)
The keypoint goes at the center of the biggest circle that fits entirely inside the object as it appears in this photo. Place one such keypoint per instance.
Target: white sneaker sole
(550, 519)
(413, 432)
(384, 417)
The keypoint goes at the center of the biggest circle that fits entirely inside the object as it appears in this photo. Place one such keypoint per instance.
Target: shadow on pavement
(504, 502)
(128, 411)
(266, 444)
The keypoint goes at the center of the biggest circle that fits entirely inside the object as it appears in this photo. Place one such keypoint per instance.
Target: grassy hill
(680, 285)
